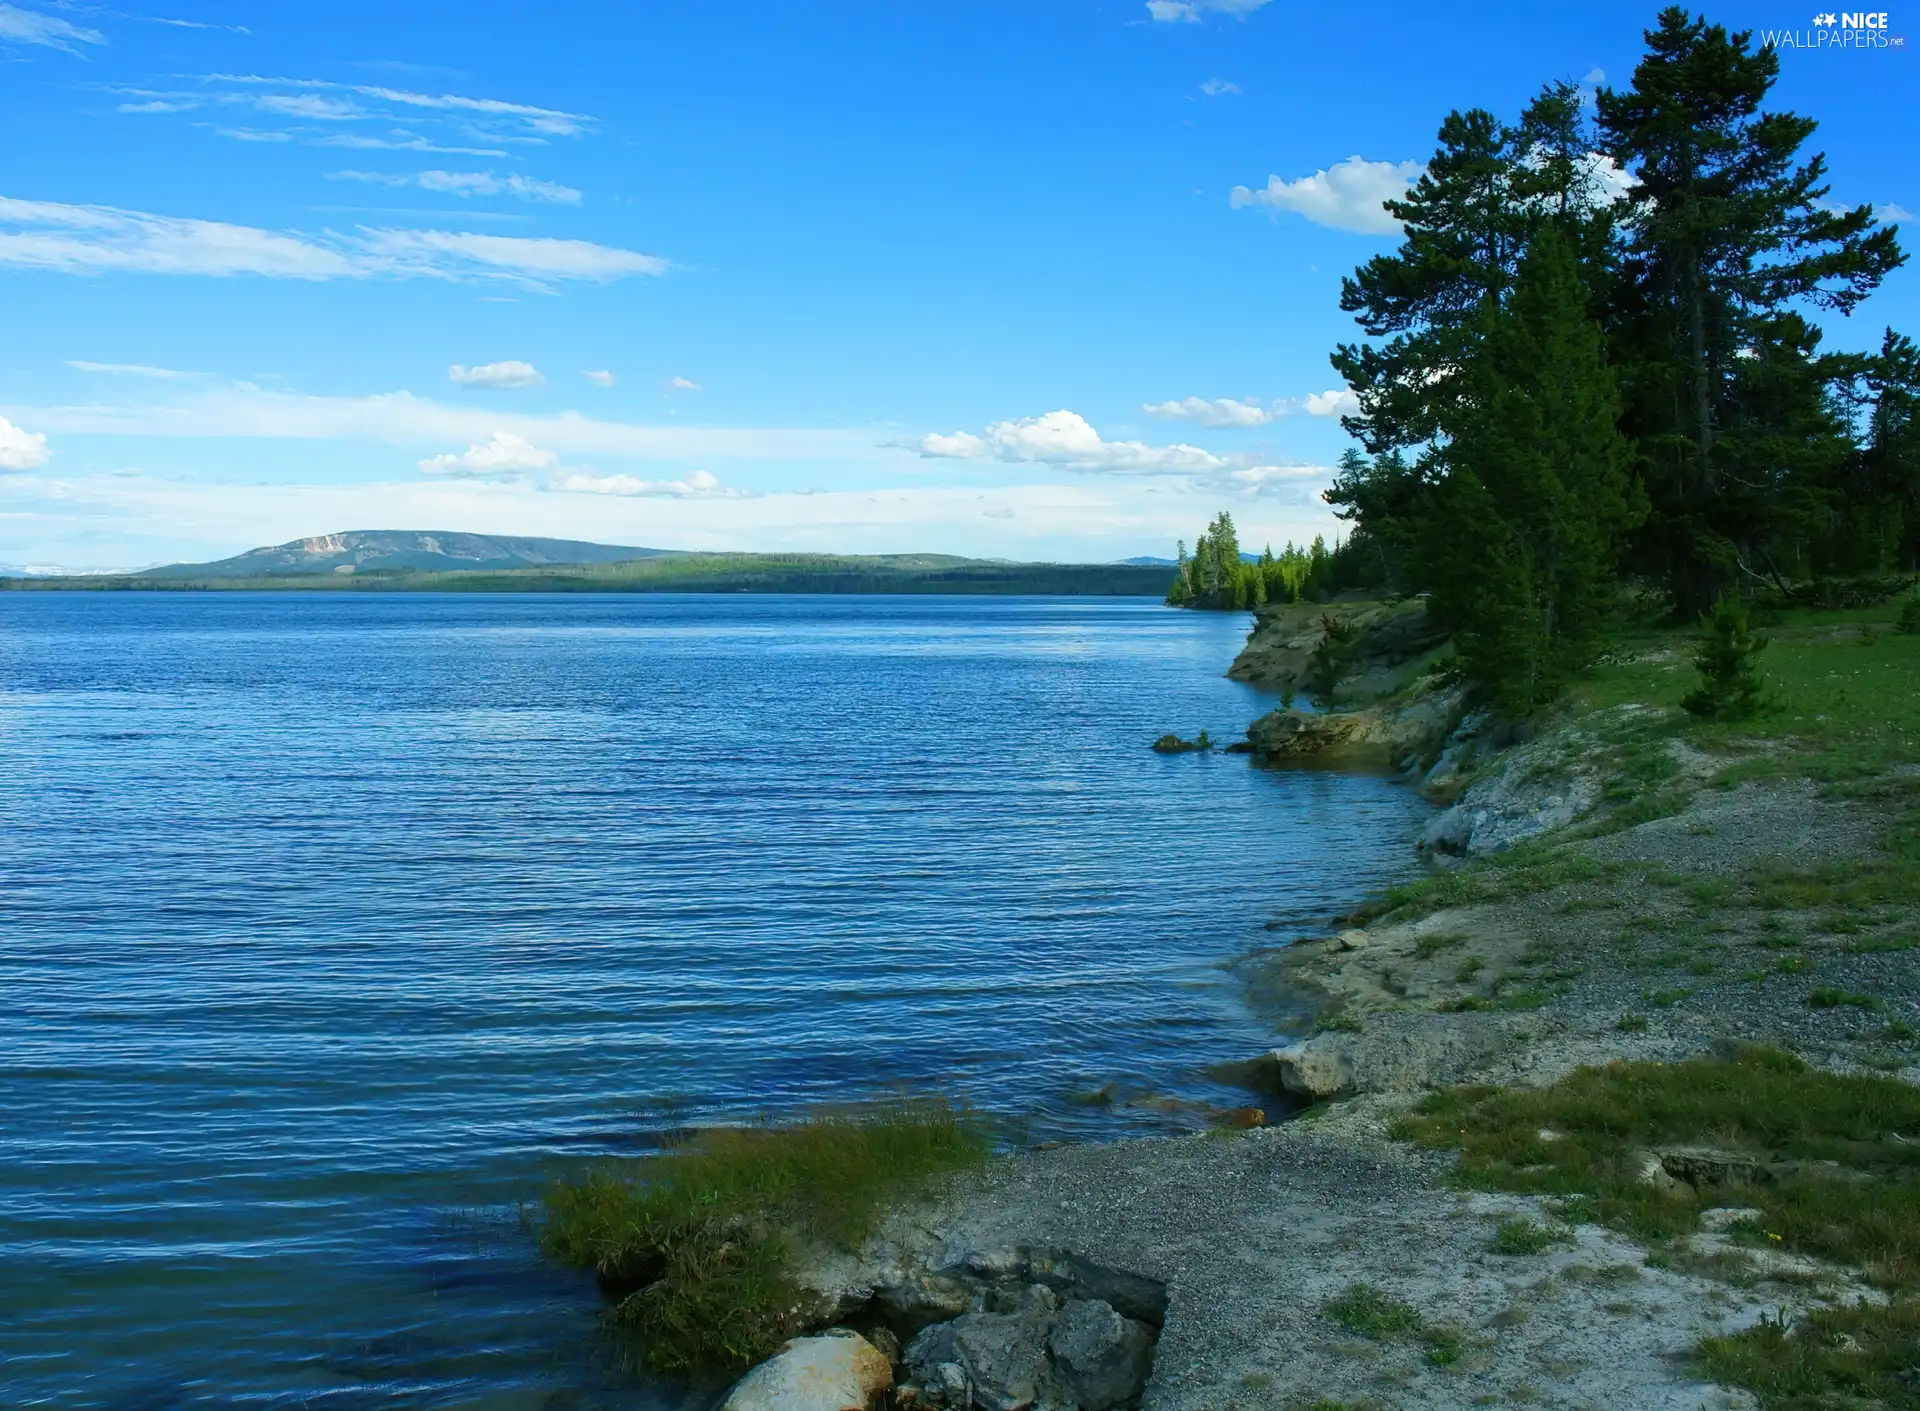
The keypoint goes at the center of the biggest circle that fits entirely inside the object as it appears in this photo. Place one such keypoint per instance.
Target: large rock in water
(837, 1371)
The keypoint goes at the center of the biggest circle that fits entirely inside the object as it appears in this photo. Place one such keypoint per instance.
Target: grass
(1827, 997)
(1520, 1236)
(697, 1245)
(1863, 1210)
(1364, 1309)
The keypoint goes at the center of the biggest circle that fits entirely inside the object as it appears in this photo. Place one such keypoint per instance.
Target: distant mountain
(369, 550)
(1149, 561)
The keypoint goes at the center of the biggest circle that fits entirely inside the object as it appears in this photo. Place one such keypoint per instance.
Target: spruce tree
(1534, 492)
(1730, 687)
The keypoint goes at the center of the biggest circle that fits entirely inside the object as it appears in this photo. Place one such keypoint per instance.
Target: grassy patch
(1837, 1357)
(697, 1244)
(1520, 1236)
(1827, 997)
(1364, 1309)
(1428, 946)
(1831, 1161)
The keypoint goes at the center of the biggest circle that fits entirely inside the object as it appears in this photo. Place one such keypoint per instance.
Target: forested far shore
(679, 573)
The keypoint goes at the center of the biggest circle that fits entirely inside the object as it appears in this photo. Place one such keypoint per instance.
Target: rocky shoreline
(1197, 1272)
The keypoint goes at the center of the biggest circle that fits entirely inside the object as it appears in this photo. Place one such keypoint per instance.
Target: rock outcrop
(835, 1371)
(1406, 732)
(1033, 1350)
(1007, 1327)
(1341, 652)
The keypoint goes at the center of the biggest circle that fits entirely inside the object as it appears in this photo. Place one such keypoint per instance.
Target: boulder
(1319, 1068)
(1030, 1352)
(836, 1371)
(993, 1361)
(1099, 1357)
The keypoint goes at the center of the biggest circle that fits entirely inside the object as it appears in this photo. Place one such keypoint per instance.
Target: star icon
(1825, 19)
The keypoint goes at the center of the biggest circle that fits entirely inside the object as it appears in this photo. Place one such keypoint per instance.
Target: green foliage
(698, 1242)
(1908, 623)
(1218, 575)
(1730, 686)
(1566, 378)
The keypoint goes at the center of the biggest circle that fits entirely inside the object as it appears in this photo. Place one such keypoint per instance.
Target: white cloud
(1345, 196)
(1217, 411)
(1190, 11)
(21, 450)
(129, 370)
(702, 484)
(498, 375)
(20, 26)
(1217, 87)
(1065, 439)
(1893, 213)
(102, 239)
(682, 384)
(503, 454)
(1340, 401)
(468, 183)
(599, 377)
(1247, 411)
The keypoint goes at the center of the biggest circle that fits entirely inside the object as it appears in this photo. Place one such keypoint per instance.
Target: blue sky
(860, 276)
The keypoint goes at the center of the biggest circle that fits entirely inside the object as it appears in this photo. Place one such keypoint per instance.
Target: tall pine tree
(1729, 231)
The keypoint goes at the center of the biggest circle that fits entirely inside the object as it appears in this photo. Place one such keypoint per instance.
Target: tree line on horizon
(1592, 363)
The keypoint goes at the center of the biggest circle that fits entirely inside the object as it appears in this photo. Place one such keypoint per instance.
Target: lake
(332, 925)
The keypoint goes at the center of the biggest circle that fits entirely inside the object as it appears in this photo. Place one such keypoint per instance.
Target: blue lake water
(332, 925)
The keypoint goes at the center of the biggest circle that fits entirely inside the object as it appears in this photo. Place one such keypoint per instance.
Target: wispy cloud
(1218, 87)
(700, 484)
(498, 375)
(195, 24)
(129, 370)
(244, 410)
(468, 183)
(502, 454)
(535, 121)
(75, 239)
(1193, 11)
(20, 449)
(599, 377)
(683, 384)
(18, 26)
(1346, 196)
